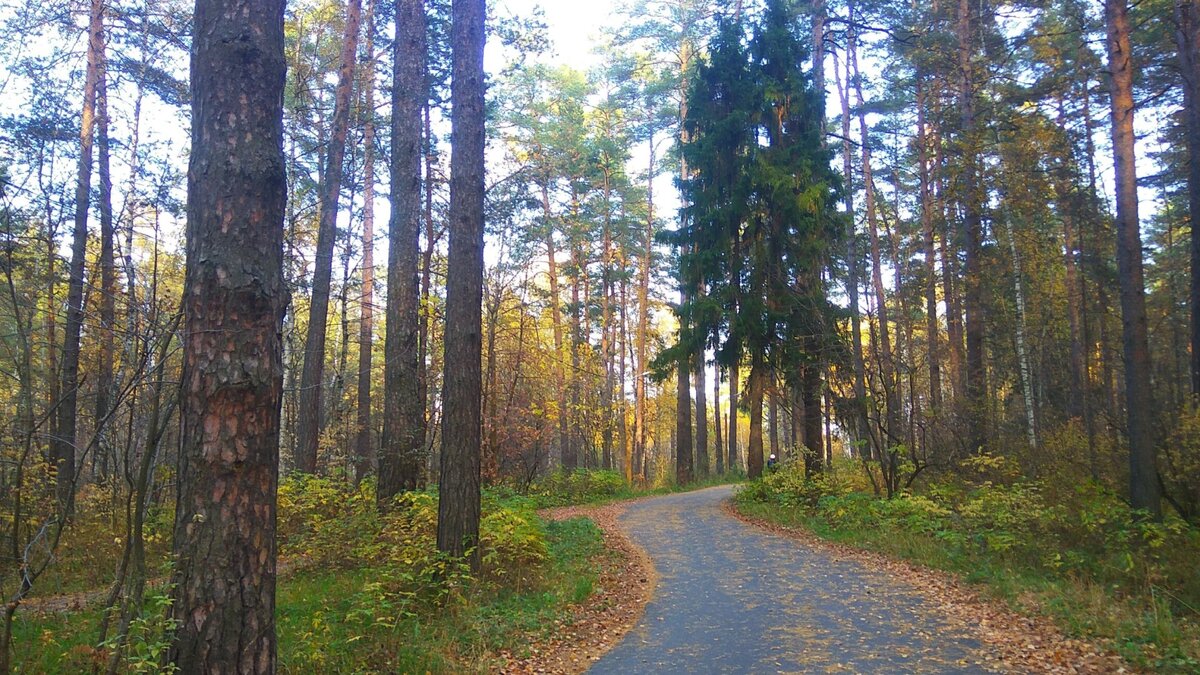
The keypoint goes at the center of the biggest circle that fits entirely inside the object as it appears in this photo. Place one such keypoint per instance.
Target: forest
(332, 331)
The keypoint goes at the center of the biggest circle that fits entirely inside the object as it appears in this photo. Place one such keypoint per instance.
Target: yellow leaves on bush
(514, 546)
(329, 523)
(561, 488)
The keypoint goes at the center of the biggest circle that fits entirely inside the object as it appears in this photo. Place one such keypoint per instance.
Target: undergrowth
(1082, 556)
(598, 486)
(370, 593)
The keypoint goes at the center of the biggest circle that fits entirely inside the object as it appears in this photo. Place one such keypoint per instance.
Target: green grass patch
(340, 621)
(596, 486)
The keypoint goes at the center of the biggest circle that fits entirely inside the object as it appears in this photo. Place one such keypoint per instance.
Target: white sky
(574, 25)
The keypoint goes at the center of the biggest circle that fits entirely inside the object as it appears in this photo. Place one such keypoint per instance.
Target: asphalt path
(732, 598)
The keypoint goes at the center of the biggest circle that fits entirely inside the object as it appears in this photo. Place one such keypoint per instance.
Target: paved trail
(735, 599)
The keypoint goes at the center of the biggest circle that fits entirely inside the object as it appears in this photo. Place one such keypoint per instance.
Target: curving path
(734, 599)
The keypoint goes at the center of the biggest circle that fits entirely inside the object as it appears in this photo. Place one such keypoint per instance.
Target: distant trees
(330, 189)
(233, 304)
(759, 210)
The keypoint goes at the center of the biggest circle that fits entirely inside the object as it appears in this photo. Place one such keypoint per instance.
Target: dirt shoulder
(1013, 642)
(627, 581)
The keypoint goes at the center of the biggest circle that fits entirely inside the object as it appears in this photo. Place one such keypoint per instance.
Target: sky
(573, 25)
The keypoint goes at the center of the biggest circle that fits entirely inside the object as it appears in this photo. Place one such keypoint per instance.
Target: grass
(326, 623)
(598, 487)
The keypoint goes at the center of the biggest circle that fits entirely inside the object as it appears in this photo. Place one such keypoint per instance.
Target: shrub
(581, 486)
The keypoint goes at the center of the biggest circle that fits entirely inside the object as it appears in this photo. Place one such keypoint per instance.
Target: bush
(581, 486)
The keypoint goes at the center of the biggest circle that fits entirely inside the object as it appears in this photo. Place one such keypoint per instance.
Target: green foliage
(1086, 557)
(149, 637)
(582, 486)
(1180, 464)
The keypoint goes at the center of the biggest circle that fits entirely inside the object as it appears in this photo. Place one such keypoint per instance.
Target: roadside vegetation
(1073, 551)
(358, 590)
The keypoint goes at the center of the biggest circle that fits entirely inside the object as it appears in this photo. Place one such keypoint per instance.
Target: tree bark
(932, 329)
(757, 386)
(401, 453)
(976, 385)
(364, 449)
(1187, 39)
(233, 302)
(720, 447)
(63, 448)
(108, 286)
(701, 416)
(683, 422)
(458, 497)
(731, 461)
(308, 431)
(861, 430)
(893, 431)
(1143, 470)
(564, 435)
(643, 330)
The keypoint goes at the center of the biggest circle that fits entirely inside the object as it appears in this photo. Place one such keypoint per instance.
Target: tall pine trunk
(108, 284)
(458, 496)
(400, 454)
(364, 449)
(1187, 39)
(976, 373)
(63, 448)
(861, 428)
(309, 421)
(932, 329)
(233, 304)
(1143, 471)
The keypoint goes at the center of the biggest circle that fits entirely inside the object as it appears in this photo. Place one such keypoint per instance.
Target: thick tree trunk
(401, 459)
(458, 498)
(233, 304)
(364, 449)
(1143, 471)
(63, 447)
(640, 421)
(773, 421)
(308, 431)
(607, 340)
(814, 443)
(573, 451)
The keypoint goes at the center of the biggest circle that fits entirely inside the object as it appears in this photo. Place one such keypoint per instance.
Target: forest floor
(736, 598)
